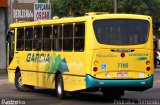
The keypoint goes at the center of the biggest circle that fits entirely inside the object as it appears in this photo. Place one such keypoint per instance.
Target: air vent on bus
(21, 21)
(96, 13)
(55, 17)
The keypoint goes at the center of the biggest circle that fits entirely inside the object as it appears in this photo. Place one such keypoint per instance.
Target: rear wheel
(60, 87)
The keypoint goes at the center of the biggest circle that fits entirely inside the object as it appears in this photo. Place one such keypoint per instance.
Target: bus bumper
(137, 84)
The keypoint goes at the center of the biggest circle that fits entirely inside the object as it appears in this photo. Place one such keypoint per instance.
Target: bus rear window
(121, 31)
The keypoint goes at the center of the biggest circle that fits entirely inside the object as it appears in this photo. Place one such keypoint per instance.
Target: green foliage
(65, 8)
(101, 6)
(134, 7)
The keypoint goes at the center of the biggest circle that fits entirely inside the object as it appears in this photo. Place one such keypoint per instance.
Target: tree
(80, 7)
(101, 6)
(69, 7)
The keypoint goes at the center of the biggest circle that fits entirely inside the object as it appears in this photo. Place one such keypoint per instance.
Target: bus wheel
(18, 82)
(60, 87)
(20, 86)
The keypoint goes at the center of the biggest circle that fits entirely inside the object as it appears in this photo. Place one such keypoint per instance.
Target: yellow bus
(110, 53)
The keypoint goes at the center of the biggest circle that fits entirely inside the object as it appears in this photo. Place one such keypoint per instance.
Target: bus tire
(60, 87)
(18, 82)
(19, 86)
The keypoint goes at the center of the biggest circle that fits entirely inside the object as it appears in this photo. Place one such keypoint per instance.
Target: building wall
(4, 23)
(2, 39)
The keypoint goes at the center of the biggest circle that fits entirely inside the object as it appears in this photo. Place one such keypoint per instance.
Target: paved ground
(40, 96)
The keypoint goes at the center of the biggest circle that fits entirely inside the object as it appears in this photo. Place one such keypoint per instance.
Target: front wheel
(19, 85)
(18, 82)
(60, 87)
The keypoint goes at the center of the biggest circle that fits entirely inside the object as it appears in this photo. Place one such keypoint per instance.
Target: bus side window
(79, 34)
(47, 35)
(28, 38)
(68, 37)
(57, 38)
(37, 38)
(20, 39)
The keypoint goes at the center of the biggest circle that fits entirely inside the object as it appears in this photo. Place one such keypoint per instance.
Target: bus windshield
(121, 31)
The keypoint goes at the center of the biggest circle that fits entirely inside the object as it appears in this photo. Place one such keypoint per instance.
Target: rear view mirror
(8, 38)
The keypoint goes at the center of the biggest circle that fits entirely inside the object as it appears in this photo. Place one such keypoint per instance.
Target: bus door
(10, 46)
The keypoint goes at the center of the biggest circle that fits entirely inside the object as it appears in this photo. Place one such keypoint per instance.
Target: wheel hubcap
(59, 87)
(20, 82)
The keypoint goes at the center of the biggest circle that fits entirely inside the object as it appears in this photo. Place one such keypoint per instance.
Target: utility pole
(115, 6)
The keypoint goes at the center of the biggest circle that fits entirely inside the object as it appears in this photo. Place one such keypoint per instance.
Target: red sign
(42, 11)
(3, 3)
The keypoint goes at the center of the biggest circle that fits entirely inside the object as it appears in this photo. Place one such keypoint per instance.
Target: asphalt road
(10, 96)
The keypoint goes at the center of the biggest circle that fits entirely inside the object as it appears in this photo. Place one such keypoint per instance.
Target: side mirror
(8, 38)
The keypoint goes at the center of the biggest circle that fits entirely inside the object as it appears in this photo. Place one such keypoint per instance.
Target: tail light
(148, 68)
(147, 62)
(95, 63)
(95, 69)
(122, 55)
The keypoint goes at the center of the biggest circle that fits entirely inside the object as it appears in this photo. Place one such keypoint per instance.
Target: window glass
(20, 39)
(121, 31)
(37, 38)
(57, 38)
(68, 31)
(68, 37)
(28, 38)
(79, 32)
(47, 36)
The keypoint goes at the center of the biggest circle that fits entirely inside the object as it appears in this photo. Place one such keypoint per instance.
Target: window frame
(40, 40)
(58, 38)
(29, 39)
(49, 38)
(79, 37)
(22, 39)
(67, 38)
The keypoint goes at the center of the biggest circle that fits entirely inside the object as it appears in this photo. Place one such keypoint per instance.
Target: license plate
(122, 74)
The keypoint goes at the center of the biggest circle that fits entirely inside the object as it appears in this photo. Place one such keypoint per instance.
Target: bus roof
(92, 15)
